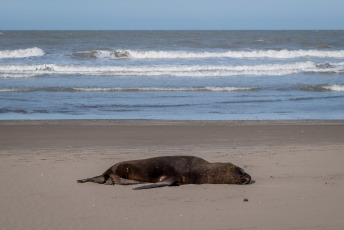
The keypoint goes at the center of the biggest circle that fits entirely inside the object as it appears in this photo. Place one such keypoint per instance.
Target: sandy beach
(297, 168)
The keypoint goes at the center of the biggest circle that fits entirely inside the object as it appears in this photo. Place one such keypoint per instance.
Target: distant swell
(20, 71)
(22, 53)
(271, 54)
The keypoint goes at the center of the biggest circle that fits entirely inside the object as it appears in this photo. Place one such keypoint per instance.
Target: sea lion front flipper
(122, 181)
(167, 182)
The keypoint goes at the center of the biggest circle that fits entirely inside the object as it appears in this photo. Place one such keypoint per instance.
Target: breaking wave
(11, 90)
(138, 89)
(13, 71)
(22, 53)
(152, 89)
(336, 88)
(271, 54)
(324, 88)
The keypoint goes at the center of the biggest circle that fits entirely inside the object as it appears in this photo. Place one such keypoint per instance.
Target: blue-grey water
(192, 75)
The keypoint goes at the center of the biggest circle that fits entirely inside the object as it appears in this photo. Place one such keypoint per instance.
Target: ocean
(178, 75)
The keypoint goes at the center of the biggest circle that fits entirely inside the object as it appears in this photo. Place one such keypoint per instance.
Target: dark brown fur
(171, 170)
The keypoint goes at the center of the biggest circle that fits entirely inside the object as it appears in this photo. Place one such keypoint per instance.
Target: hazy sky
(170, 15)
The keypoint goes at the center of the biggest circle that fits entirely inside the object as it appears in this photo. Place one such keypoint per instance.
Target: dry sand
(297, 166)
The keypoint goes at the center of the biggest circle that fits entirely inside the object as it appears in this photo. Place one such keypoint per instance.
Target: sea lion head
(238, 175)
(227, 173)
(244, 177)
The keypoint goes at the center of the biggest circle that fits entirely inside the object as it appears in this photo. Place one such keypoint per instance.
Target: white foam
(22, 53)
(8, 90)
(229, 89)
(272, 54)
(131, 89)
(183, 71)
(336, 88)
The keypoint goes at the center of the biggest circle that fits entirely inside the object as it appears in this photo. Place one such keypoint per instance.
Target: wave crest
(336, 88)
(270, 54)
(324, 88)
(153, 89)
(176, 71)
(22, 53)
(138, 89)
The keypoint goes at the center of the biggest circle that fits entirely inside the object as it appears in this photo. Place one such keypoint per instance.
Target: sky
(171, 15)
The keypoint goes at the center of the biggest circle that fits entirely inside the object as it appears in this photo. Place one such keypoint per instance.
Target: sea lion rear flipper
(167, 182)
(97, 179)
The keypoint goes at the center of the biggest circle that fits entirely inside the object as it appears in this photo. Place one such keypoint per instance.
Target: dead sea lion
(171, 170)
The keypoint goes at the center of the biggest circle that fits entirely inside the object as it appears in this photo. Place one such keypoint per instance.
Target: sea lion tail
(97, 179)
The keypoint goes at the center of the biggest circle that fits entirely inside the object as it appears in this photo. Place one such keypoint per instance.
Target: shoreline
(113, 133)
(296, 165)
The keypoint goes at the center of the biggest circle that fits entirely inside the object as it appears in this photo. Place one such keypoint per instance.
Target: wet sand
(297, 168)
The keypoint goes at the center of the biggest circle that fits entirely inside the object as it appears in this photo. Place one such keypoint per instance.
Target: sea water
(188, 75)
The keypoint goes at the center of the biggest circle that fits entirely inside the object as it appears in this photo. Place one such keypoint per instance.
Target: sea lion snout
(245, 179)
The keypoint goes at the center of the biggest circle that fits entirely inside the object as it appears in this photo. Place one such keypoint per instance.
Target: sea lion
(171, 170)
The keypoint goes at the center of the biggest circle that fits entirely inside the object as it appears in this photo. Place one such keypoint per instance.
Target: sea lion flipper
(97, 179)
(109, 182)
(122, 181)
(167, 182)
